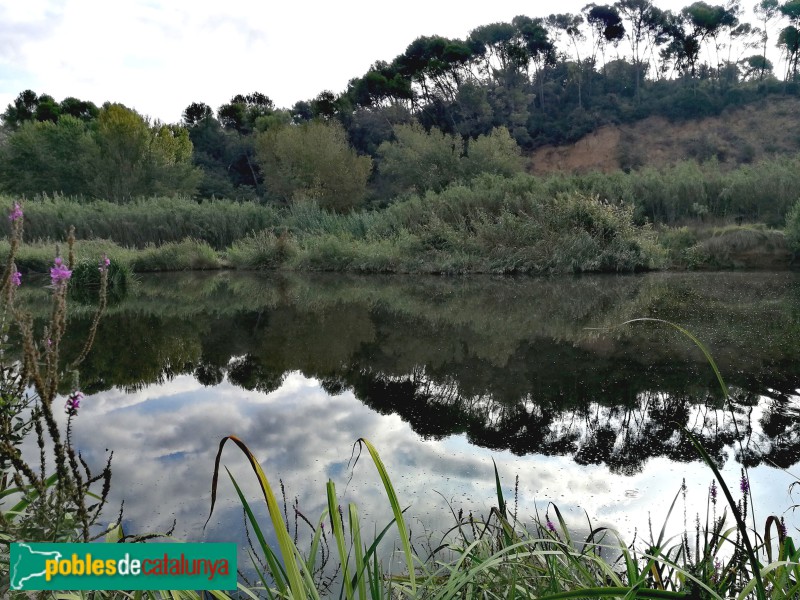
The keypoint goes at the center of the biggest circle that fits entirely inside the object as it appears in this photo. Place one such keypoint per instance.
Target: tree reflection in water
(526, 365)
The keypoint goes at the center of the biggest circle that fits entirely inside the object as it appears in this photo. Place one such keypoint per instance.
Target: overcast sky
(158, 57)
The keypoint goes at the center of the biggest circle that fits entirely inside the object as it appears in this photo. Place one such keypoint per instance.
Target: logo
(39, 566)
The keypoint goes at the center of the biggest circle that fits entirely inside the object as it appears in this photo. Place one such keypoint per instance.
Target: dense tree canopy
(118, 156)
(545, 79)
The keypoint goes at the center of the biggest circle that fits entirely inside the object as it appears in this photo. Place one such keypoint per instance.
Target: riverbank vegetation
(685, 216)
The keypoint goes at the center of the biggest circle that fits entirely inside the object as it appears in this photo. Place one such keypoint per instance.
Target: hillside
(739, 135)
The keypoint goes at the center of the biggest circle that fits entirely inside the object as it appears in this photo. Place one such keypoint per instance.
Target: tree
(495, 153)
(47, 157)
(80, 109)
(571, 25)
(196, 112)
(47, 109)
(646, 28)
(766, 10)
(419, 160)
(23, 109)
(755, 67)
(606, 26)
(241, 113)
(540, 48)
(313, 161)
(684, 47)
(498, 41)
(789, 42)
(137, 159)
(709, 21)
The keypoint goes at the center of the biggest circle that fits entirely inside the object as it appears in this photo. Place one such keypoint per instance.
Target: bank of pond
(492, 224)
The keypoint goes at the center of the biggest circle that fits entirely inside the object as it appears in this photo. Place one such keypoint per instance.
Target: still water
(442, 375)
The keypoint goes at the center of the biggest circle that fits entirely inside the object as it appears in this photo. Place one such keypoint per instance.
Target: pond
(443, 376)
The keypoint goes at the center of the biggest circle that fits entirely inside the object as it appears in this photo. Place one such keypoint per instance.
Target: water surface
(442, 375)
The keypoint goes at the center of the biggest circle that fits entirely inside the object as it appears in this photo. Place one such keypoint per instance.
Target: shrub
(262, 250)
(176, 256)
(86, 281)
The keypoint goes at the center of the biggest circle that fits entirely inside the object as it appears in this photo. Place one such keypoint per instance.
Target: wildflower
(16, 213)
(717, 570)
(782, 528)
(713, 492)
(744, 484)
(104, 262)
(16, 279)
(74, 402)
(59, 273)
(550, 525)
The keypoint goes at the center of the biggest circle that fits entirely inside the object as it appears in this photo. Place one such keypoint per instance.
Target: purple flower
(744, 484)
(550, 525)
(59, 273)
(104, 262)
(717, 569)
(16, 279)
(74, 402)
(16, 212)
(713, 492)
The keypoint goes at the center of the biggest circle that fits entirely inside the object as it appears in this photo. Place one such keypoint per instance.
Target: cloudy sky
(158, 56)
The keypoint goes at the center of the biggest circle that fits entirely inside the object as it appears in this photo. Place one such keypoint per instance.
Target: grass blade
(396, 510)
(285, 544)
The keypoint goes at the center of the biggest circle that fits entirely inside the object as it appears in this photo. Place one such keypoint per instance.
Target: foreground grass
(501, 557)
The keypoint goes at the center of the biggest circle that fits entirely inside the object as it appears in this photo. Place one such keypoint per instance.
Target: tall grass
(499, 555)
(145, 221)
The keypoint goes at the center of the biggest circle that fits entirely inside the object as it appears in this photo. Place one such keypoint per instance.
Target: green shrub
(85, 281)
(188, 254)
(262, 250)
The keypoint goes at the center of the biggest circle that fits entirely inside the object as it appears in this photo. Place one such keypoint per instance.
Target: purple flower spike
(744, 484)
(550, 525)
(713, 492)
(74, 402)
(104, 262)
(16, 213)
(16, 279)
(59, 273)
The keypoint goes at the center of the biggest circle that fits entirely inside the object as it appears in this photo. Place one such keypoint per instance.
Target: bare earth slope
(738, 135)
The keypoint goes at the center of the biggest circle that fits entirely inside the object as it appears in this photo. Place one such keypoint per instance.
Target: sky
(158, 57)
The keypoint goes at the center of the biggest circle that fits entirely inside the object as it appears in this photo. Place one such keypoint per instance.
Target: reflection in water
(442, 375)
